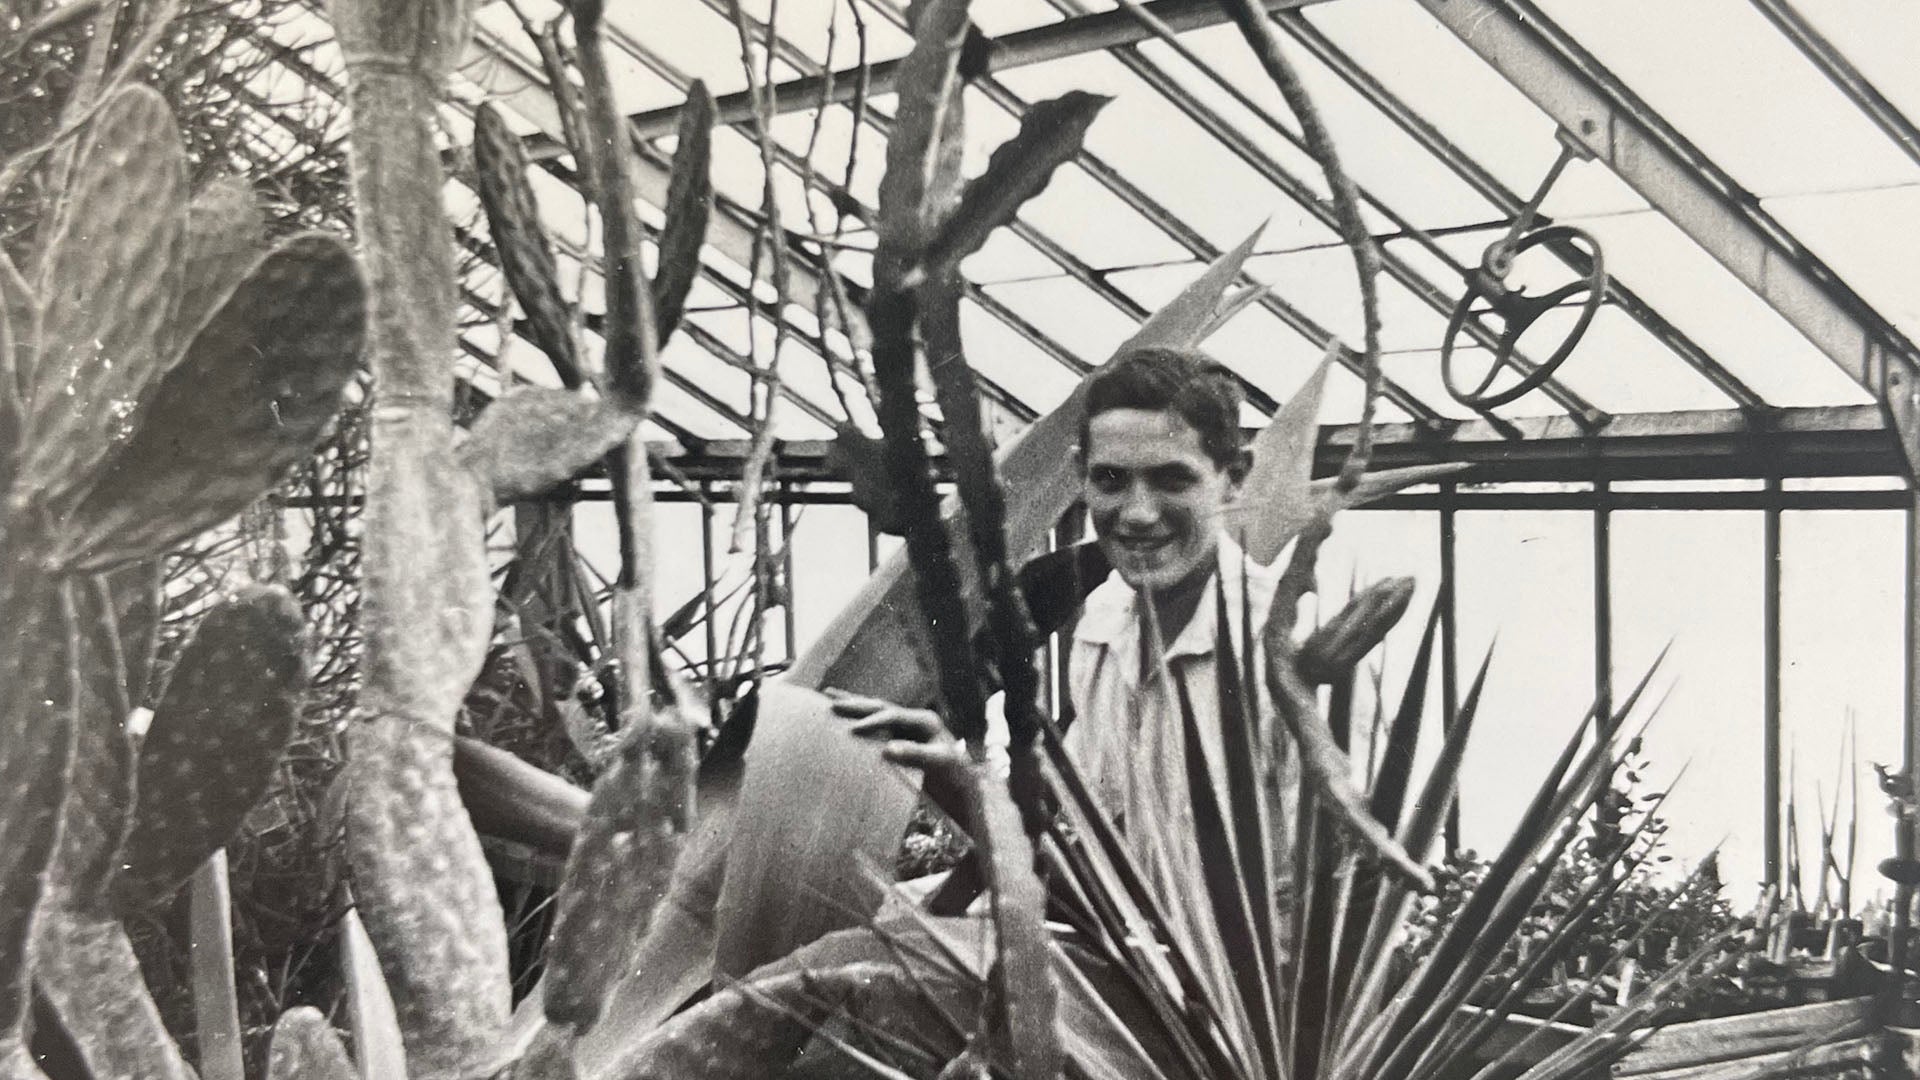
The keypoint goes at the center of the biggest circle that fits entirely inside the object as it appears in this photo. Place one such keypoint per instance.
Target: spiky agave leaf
(1515, 878)
(305, 1047)
(16, 306)
(377, 1043)
(23, 320)
(814, 799)
(526, 252)
(228, 712)
(107, 286)
(256, 389)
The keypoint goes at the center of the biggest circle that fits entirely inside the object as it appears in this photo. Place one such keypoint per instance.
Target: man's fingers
(914, 755)
(894, 723)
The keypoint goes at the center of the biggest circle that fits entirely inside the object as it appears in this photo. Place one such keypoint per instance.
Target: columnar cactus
(419, 877)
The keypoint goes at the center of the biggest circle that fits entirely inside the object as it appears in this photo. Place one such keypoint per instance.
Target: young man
(1162, 462)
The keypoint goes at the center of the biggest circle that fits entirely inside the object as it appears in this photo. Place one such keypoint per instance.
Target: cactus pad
(36, 750)
(99, 796)
(88, 972)
(107, 286)
(532, 439)
(618, 870)
(423, 888)
(526, 253)
(224, 239)
(228, 712)
(304, 1047)
(255, 391)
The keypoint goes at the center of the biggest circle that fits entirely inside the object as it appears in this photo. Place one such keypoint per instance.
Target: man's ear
(1079, 455)
(1240, 467)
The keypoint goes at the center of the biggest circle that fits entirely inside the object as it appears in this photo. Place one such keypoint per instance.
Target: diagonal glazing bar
(1677, 179)
(1510, 202)
(510, 80)
(484, 251)
(1142, 204)
(1294, 188)
(1840, 71)
(1073, 37)
(881, 122)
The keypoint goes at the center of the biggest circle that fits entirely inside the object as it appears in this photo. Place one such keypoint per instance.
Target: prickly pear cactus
(228, 713)
(156, 380)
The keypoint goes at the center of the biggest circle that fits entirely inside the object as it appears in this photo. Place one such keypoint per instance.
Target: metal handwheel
(1519, 312)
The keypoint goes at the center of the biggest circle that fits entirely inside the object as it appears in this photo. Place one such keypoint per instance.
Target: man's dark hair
(1198, 390)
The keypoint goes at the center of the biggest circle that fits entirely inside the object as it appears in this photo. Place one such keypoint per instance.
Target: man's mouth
(1141, 546)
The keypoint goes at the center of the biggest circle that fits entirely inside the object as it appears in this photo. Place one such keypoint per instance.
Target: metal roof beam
(1690, 445)
(1069, 37)
(1510, 202)
(1238, 144)
(1087, 276)
(1726, 220)
(1840, 71)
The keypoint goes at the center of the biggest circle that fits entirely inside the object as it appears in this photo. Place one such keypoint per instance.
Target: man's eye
(1173, 480)
(1108, 480)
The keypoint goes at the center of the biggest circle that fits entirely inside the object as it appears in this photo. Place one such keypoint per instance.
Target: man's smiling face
(1154, 495)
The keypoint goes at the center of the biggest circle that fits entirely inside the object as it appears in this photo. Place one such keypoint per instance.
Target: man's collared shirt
(1129, 741)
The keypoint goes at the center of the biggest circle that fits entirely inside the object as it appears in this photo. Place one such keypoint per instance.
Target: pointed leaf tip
(1051, 134)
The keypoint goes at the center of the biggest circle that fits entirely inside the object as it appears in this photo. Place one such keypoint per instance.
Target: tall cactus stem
(420, 878)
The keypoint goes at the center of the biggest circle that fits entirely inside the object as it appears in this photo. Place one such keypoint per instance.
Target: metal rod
(712, 633)
(1056, 41)
(1602, 599)
(786, 566)
(1904, 838)
(1449, 650)
(1840, 71)
(1770, 788)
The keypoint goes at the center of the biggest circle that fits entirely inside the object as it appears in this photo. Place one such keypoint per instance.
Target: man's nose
(1139, 507)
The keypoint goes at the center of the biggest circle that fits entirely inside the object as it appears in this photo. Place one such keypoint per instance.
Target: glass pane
(1692, 580)
(1733, 85)
(1842, 625)
(1525, 590)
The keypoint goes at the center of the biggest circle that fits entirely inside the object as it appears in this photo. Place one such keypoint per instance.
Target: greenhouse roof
(1753, 187)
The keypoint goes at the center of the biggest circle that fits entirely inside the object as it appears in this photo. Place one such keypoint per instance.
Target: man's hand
(916, 738)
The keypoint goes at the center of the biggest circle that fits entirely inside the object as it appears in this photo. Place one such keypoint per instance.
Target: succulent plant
(163, 367)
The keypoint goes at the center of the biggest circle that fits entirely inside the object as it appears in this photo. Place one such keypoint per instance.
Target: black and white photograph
(959, 539)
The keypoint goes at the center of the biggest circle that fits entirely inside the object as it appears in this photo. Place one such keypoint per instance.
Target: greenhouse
(1231, 539)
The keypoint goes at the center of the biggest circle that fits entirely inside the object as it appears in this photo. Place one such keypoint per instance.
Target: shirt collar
(1111, 613)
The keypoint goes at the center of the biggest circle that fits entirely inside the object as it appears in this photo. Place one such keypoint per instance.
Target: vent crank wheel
(1518, 312)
